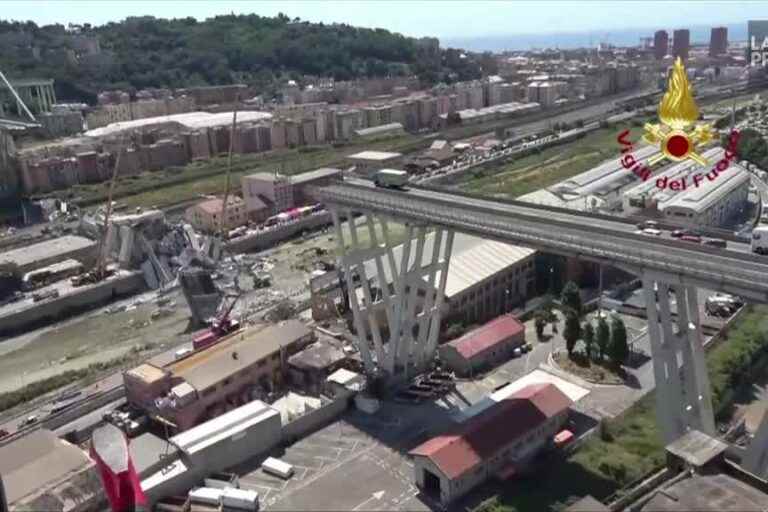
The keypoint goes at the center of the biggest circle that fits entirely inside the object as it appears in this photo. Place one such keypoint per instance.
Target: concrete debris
(150, 277)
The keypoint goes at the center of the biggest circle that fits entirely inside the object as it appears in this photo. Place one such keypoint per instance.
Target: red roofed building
(495, 442)
(486, 346)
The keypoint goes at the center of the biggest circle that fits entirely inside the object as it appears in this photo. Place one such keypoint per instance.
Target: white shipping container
(240, 499)
(206, 495)
(277, 467)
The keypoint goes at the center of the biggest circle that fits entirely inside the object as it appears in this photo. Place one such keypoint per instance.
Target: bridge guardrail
(483, 221)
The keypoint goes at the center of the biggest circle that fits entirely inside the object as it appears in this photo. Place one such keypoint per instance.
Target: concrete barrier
(83, 299)
(316, 419)
(268, 238)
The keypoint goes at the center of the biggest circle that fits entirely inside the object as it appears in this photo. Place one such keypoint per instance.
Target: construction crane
(220, 326)
(99, 271)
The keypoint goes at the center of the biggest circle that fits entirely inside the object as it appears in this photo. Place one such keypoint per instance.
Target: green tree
(588, 336)
(603, 337)
(539, 323)
(570, 298)
(571, 331)
(752, 146)
(618, 348)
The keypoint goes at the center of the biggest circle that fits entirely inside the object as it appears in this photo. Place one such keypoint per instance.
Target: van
(277, 467)
(183, 352)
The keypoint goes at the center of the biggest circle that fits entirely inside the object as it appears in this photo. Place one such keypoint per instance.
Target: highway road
(562, 231)
(109, 382)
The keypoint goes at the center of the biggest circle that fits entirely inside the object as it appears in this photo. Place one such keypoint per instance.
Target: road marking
(374, 496)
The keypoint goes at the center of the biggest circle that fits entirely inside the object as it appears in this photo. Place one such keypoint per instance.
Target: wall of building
(259, 438)
(316, 419)
(488, 298)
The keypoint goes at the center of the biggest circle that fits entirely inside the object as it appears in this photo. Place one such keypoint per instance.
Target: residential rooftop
(241, 350)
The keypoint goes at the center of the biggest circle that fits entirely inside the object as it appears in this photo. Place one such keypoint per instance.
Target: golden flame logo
(677, 113)
(677, 108)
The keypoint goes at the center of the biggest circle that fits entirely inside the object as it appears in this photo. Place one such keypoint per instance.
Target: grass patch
(41, 387)
(550, 165)
(630, 446)
(600, 372)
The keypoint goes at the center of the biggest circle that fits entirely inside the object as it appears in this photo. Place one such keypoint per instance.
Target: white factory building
(706, 200)
(599, 187)
(485, 278)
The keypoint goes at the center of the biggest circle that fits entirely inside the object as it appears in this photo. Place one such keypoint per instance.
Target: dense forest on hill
(149, 52)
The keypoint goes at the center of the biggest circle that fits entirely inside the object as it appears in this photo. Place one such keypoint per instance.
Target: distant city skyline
(477, 25)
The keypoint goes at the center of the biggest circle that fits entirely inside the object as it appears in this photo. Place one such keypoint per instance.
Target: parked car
(652, 232)
(716, 242)
(648, 224)
(677, 233)
(691, 238)
(29, 420)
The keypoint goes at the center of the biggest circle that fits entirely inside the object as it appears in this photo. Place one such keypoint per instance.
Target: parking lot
(355, 463)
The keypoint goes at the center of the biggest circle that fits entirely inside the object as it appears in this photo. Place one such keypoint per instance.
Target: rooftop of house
(487, 336)
(483, 435)
(37, 461)
(239, 351)
(711, 493)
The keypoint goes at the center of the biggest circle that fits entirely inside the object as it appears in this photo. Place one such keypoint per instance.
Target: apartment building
(206, 215)
(274, 190)
(219, 378)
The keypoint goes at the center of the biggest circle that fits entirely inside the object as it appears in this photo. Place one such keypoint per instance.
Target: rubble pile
(148, 242)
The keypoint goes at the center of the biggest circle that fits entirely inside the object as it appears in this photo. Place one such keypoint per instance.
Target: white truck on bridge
(390, 178)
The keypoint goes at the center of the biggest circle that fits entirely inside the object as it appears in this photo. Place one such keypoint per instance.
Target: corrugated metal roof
(473, 259)
(487, 336)
(493, 429)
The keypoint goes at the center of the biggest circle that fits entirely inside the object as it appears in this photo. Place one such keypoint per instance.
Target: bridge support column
(756, 456)
(397, 300)
(683, 400)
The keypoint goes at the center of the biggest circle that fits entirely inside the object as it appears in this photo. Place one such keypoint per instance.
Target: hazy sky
(454, 19)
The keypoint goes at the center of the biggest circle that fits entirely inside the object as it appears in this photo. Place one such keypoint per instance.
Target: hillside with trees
(149, 52)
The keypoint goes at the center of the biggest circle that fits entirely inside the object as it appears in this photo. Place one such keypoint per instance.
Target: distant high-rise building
(757, 32)
(718, 41)
(681, 43)
(660, 44)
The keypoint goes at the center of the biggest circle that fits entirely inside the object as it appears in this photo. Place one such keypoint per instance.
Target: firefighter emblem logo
(678, 135)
